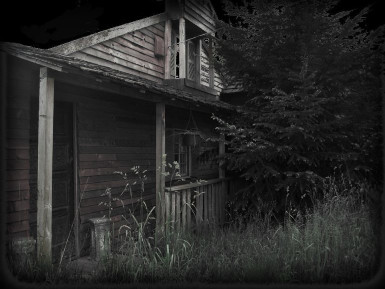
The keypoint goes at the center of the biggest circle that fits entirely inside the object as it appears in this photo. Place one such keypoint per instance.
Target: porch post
(182, 48)
(223, 194)
(160, 170)
(44, 167)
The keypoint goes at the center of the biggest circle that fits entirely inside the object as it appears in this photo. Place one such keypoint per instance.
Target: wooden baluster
(198, 209)
(189, 209)
(205, 209)
(173, 211)
(177, 210)
(168, 209)
(184, 210)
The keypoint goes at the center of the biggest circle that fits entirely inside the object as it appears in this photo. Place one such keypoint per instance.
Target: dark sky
(46, 24)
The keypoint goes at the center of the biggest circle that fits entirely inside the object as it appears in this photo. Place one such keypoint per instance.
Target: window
(181, 155)
(176, 150)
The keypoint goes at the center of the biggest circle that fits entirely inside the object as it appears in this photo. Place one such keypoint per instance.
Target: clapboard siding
(21, 85)
(114, 137)
(200, 15)
(132, 53)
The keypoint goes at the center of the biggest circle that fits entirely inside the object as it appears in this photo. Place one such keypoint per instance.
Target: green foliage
(312, 82)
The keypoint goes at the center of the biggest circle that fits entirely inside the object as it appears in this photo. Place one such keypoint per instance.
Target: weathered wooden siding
(21, 85)
(200, 14)
(133, 53)
(114, 137)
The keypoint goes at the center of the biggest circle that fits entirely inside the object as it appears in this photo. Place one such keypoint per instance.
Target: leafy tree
(312, 82)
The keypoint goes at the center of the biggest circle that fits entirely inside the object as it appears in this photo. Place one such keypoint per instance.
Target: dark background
(45, 24)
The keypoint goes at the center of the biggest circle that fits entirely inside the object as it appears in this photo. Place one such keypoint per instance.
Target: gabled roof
(73, 65)
(101, 36)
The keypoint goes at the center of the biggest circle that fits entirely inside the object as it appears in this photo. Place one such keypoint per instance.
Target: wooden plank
(198, 23)
(177, 211)
(182, 48)
(160, 174)
(200, 17)
(128, 43)
(188, 197)
(184, 210)
(105, 57)
(44, 171)
(160, 26)
(168, 207)
(155, 31)
(138, 41)
(77, 199)
(134, 61)
(201, 10)
(200, 208)
(205, 206)
(173, 205)
(147, 57)
(88, 56)
(79, 44)
(167, 44)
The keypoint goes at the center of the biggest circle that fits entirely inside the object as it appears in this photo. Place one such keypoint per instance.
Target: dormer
(189, 32)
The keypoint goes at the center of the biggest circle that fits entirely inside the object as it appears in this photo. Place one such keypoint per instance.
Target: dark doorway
(62, 178)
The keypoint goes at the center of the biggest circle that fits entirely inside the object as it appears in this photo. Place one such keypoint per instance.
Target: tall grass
(334, 242)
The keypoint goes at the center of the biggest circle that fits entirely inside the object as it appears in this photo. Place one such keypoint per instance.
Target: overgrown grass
(334, 242)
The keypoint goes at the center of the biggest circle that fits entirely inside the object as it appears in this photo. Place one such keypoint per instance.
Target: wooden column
(223, 192)
(167, 47)
(182, 48)
(160, 170)
(44, 167)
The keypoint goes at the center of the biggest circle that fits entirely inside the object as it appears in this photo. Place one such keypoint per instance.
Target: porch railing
(196, 205)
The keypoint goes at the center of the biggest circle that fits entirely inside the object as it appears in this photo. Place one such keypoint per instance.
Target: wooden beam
(182, 48)
(167, 47)
(77, 198)
(44, 167)
(160, 170)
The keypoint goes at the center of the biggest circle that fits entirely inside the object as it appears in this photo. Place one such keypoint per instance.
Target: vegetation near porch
(335, 242)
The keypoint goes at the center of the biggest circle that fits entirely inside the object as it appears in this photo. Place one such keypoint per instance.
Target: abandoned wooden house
(119, 98)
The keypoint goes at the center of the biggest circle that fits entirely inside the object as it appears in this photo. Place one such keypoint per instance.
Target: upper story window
(197, 59)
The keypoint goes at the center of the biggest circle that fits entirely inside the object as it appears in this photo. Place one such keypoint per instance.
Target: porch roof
(62, 63)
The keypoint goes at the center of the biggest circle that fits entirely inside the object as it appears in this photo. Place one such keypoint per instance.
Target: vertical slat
(188, 196)
(177, 210)
(76, 185)
(184, 210)
(168, 207)
(167, 47)
(219, 187)
(211, 203)
(182, 48)
(173, 210)
(160, 176)
(206, 201)
(44, 164)
(199, 209)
